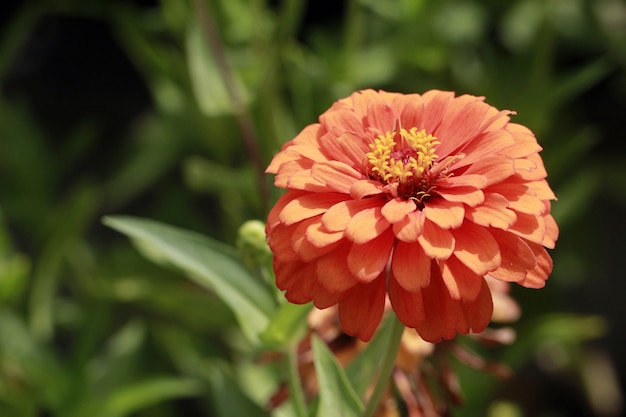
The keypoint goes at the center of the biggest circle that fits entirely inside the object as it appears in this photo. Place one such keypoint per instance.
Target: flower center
(403, 159)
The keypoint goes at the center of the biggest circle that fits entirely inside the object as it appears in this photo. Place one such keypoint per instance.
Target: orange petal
(309, 152)
(445, 214)
(470, 196)
(296, 279)
(380, 117)
(397, 209)
(437, 243)
(537, 277)
(338, 216)
(279, 241)
(302, 180)
(273, 218)
(445, 316)
(362, 309)
(494, 168)
(487, 145)
(464, 116)
(408, 306)
(462, 283)
(366, 225)
(493, 212)
(367, 261)
(517, 257)
(476, 248)
(319, 237)
(309, 205)
(529, 227)
(344, 119)
(412, 113)
(435, 104)
(463, 180)
(336, 175)
(333, 272)
(364, 188)
(410, 266)
(305, 250)
(521, 198)
(410, 227)
(552, 232)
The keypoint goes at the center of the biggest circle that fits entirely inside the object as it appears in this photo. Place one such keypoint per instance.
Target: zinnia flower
(414, 197)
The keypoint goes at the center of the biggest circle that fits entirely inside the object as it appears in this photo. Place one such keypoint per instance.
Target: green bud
(252, 243)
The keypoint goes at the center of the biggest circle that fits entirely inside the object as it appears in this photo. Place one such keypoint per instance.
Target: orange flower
(417, 197)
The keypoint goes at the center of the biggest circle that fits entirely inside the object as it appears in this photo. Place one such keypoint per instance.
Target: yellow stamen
(408, 162)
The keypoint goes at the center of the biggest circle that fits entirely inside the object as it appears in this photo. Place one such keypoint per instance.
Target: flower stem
(386, 368)
(295, 386)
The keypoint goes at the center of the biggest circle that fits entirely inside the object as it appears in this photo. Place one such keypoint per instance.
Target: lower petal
(410, 266)
(408, 305)
(370, 259)
(437, 243)
(462, 283)
(445, 316)
(536, 278)
(362, 309)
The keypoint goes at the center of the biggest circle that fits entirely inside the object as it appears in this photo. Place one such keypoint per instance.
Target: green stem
(295, 386)
(387, 366)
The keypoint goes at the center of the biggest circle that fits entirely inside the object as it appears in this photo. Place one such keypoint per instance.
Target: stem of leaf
(386, 368)
(295, 386)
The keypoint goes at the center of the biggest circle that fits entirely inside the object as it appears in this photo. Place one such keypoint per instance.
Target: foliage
(171, 110)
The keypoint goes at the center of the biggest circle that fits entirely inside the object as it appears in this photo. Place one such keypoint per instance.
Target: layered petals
(412, 197)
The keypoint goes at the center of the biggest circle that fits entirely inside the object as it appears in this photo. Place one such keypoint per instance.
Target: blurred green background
(171, 110)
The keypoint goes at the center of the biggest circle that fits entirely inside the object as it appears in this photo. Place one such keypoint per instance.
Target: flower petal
(517, 257)
(308, 205)
(297, 280)
(338, 216)
(366, 225)
(410, 227)
(365, 188)
(336, 175)
(366, 261)
(333, 272)
(408, 306)
(380, 117)
(445, 316)
(319, 237)
(445, 214)
(462, 283)
(470, 196)
(464, 115)
(437, 243)
(521, 198)
(529, 227)
(397, 209)
(537, 277)
(493, 212)
(302, 246)
(494, 168)
(410, 266)
(362, 309)
(279, 241)
(476, 248)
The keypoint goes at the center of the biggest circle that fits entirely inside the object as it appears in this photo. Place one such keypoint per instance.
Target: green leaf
(364, 368)
(209, 86)
(337, 396)
(209, 263)
(287, 325)
(227, 397)
(140, 395)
